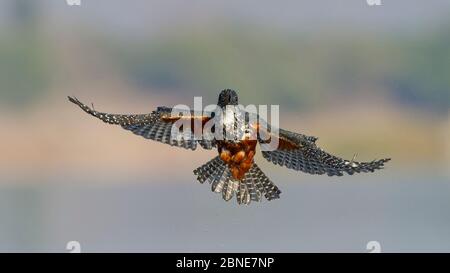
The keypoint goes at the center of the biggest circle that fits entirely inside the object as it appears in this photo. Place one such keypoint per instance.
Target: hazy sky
(147, 17)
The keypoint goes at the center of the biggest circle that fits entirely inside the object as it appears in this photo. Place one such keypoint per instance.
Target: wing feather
(300, 152)
(156, 125)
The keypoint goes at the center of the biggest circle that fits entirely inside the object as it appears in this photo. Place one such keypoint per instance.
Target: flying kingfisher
(233, 171)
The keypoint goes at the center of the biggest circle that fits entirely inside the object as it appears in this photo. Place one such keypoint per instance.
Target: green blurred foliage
(24, 69)
(424, 78)
(24, 58)
(283, 68)
(296, 71)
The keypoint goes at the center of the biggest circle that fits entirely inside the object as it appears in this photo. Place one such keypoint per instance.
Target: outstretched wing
(156, 125)
(300, 152)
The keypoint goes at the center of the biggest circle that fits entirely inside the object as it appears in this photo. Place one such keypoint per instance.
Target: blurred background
(368, 79)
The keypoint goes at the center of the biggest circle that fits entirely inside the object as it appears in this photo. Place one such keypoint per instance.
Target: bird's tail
(252, 187)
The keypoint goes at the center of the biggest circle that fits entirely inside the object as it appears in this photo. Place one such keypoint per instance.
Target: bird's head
(227, 97)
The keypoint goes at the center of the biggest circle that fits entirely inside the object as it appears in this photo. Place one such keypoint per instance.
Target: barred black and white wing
(156, 125)
(300, 152)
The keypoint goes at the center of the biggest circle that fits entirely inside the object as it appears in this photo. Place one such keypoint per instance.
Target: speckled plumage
(226, 173)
